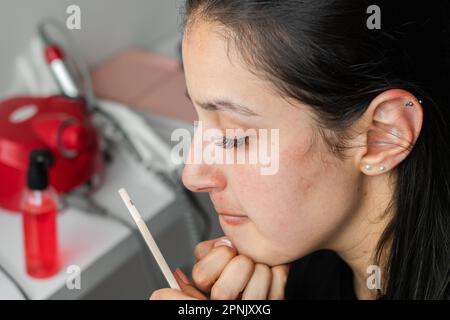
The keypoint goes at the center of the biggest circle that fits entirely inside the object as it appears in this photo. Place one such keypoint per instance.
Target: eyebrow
(224, 105)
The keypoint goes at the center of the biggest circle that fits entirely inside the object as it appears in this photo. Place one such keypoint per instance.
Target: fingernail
(223, 242)
(182, 276)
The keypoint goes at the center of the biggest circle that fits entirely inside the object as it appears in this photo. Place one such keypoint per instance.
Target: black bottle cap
(40, 161)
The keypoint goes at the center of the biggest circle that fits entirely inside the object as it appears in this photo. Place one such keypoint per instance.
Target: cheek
(310, 198)
(297, 209)
(277, 203)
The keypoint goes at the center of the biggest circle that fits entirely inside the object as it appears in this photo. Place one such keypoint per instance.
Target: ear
(388, 130)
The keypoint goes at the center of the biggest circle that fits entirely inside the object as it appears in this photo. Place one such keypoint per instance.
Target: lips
(233, 219)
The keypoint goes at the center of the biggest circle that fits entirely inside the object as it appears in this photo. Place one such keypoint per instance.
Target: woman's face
(298, 209)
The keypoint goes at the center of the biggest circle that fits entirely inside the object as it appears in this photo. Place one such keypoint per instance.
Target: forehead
(214, 69)
(211, 58)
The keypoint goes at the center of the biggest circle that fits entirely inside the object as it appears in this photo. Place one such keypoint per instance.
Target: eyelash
(228, 143)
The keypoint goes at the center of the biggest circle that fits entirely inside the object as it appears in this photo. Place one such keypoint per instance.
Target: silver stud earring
(409, 104)
(382, 168)
(368, 167)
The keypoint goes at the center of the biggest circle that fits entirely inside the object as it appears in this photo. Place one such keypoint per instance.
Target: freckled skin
(313, 195)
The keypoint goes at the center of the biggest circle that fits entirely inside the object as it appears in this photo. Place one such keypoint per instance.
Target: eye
(228, 143)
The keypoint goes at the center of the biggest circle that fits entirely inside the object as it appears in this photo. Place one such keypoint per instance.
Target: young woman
(360, 204)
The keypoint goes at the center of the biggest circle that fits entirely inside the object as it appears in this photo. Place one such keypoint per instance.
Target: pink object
(146, 81)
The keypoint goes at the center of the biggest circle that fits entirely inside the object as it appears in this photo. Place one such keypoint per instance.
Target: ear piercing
(368, 167)
(411, 104)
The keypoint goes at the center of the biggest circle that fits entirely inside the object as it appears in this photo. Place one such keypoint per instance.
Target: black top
(319, 276)
(323, 275)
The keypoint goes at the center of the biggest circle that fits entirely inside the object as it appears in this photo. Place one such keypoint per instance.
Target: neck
(356, 243)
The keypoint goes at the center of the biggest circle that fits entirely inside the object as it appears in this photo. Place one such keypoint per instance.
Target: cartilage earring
(368, 167)
(382, 168)
(409, 104)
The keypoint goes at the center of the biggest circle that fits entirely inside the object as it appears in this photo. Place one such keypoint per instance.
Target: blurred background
(90, 93)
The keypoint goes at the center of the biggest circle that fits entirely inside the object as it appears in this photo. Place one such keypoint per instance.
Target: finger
(186, 286)
(170, 294)
(208, 269)
(233, 279)
(279, 277)
(259, 285)
(203, 248)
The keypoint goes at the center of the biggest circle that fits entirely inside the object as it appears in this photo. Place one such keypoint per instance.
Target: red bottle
(39, 209)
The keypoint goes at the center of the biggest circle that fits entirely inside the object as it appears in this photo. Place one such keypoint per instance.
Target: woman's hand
(188, 291)
(222, 273)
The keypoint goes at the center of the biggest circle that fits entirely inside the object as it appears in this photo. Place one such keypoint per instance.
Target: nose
(203, 178)
(199, 176)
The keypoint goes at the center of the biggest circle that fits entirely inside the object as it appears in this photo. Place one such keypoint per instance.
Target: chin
(250, 243)
(260, 254)
(265, 258)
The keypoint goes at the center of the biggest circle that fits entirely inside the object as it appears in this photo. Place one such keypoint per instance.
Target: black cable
(202, 212)
(119, 129)
(177, 185)
(18, 286)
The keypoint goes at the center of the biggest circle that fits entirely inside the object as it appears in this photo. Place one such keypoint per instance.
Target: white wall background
(107, 27)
